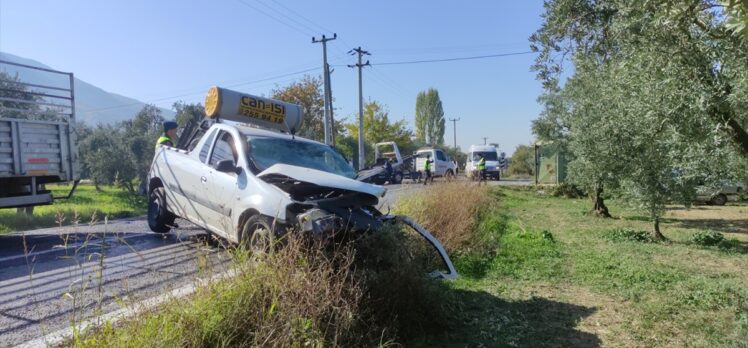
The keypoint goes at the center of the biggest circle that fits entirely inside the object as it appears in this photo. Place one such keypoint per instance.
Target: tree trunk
(722, 112)
(657, 234)
(598, 202)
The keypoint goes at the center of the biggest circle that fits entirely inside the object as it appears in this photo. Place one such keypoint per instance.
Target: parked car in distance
(728, 191)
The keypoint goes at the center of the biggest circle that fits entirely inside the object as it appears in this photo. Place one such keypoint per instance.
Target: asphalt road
(51, 278)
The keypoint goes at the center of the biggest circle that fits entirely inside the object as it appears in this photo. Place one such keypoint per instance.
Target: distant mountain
(93, 105)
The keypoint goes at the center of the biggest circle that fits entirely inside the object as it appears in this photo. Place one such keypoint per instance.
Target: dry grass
(309, 293)
(450, 211)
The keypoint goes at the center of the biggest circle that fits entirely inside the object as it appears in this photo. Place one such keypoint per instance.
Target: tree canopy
(656, 98)
(308, 93)
(188, 112)
(377, 128)
(429, 117)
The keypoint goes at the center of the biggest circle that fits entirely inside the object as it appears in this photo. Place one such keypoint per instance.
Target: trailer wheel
(258, 234)
(719, 199)
(160, 219)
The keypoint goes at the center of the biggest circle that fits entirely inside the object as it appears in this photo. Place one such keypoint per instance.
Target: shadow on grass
(728, 246)
(489, 321)
(648, 219)
(719, 225)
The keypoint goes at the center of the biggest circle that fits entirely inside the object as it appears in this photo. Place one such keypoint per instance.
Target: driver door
(440, 163)
(220, 189)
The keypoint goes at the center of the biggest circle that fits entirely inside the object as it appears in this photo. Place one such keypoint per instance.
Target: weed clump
(566, 190)
(364, 291)
(707, 238)
(630, 235)
(465, 219)
(451, 213)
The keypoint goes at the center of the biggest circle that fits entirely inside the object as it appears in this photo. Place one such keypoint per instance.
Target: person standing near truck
(482, 170)
(170, 131)
(387, 171)
(427, 170)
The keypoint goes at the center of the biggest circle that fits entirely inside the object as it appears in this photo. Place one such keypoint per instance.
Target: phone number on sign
(261, 115)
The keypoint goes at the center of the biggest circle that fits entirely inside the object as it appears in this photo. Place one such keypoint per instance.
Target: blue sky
(162, 51)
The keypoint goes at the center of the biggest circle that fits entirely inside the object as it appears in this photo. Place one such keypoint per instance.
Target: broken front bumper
(321, 223)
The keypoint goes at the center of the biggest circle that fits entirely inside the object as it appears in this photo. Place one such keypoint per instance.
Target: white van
(490, 153)
(442, 165)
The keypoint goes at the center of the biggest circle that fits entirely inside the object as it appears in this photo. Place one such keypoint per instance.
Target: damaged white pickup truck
(243, 175)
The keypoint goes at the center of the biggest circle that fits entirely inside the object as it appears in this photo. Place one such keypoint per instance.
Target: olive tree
(653, 93)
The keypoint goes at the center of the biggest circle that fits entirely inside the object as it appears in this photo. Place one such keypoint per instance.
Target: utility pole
(332, 117)
(359, 65)
(326, 78)
(454, 129)
(484, 140)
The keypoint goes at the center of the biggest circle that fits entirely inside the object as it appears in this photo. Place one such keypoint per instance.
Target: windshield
(489, 155)
(265, 152)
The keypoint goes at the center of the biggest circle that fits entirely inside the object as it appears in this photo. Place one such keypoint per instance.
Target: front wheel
(160, 219)
(259, 234)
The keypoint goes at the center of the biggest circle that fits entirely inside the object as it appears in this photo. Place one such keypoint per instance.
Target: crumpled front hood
(322, 178)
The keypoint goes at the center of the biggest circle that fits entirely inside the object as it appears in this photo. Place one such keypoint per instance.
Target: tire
(719, 199)
(398, 178)
(160, 219)
(259, 234)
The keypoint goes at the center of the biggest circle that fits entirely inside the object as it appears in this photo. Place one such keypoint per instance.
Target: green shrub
(547, 235)
(566, 190)
(626, 234)
(707, 238)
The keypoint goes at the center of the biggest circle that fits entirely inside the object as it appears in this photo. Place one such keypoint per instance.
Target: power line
(391, 83)
(302, 17)
(311, 30)
(455, 59)
(274, 18)
(461, 48)
(191, 94)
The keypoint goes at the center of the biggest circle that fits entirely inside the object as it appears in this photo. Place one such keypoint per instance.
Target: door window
(225, 149)
(206, 147)
(440, 156)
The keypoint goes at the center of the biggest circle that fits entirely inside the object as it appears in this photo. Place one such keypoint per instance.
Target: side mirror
(228, 166)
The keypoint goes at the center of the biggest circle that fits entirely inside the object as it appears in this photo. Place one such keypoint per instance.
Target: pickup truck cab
(442, 165)
(239, 180)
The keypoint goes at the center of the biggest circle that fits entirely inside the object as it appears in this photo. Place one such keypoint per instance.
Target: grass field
(564, 278)
(84, 206)
(536, 271)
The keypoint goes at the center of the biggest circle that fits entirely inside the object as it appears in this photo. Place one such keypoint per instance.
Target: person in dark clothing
(388, 171)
